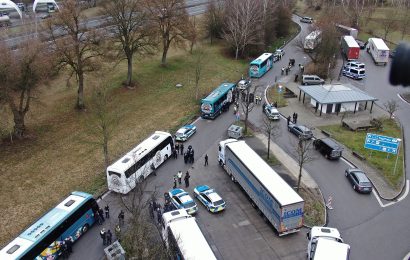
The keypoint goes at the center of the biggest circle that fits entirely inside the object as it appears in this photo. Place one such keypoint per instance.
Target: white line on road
(407, 257)
(402, 99)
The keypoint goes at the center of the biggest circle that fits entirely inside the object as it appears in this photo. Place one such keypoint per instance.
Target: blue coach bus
(261, 65)
(71, 218)
(212, 105)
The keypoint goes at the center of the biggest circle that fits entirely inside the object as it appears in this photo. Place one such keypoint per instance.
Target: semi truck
(345, 30)
(312, 40)
(183, 237)
(350, 48)
(326, 243)
(378, 50)
(268, 192)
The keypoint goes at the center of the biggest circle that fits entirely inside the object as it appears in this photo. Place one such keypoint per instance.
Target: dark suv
(328, 147)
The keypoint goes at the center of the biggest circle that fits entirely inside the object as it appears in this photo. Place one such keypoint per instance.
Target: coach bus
(137, 164)
(212, 106)
(71, 218)
(258, 67)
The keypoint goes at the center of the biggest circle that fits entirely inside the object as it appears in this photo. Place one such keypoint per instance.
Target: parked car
(185, 132)
(354, 73)
(359, 180)
(306, 19)
(362, 45)
(328, 147)
(243, 84)
(312, 80)
(355, 64)
(301, 131)
(271, 112)
(181, 200)
(211, 200)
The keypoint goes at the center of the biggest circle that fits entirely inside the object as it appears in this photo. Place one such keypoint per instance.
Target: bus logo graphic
(158, 157)
(254, 69)
(206, 108)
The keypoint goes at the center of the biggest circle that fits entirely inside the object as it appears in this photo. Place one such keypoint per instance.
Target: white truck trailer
(378, 50)
(279, 203)
(312, 40)
(326, 243)
(184, 238)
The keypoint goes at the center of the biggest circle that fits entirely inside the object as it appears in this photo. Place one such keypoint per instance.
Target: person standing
(293, 117)
(175, 154)
(186, 179)
(181, 146)
(97, 218)
(117, 231)
(159, 215)
(192, 156)
(185, 157)
(206, 159)
(101, 213)
(121, 217)
(109, 237)
(107, 211)
(179, 175)
(296, 118)
(175, 181)
(63, 250)
(177, 147)
(69, 244)
(103, 235)
(151, 210)
(288, 119)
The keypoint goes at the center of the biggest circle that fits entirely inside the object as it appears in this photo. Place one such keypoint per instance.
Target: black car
(300, 131)
(328, 147)
(359, 180)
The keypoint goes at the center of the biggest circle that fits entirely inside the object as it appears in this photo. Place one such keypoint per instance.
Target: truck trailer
(312, 40)
(378, 50)
(350, 48)
(278, 202)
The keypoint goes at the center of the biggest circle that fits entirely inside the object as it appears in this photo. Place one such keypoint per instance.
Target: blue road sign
(382, 143)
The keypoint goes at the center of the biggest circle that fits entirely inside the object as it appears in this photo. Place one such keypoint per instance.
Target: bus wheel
(85, 228)
(233, 178)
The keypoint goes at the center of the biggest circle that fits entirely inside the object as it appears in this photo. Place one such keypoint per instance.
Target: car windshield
(361, 177)
(180, 133)
(219, 202)
(189, 204)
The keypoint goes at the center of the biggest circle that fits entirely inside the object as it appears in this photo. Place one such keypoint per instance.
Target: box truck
(326, 243)
(312, 40)
(378, 50)
(350, 48)
(345, 30)
(268, 192)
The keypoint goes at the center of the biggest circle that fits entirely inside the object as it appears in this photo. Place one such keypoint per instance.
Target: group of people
(106, 237)
(178, 179)
(99, 215)
(179, 148)
(155, 208)
(258, 100)
(189, 155)
(294, 118)
(66, 247)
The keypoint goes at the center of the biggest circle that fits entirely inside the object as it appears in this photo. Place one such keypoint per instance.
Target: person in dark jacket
(109, 237)
(186, 179)
(181, 147)
(107, 211)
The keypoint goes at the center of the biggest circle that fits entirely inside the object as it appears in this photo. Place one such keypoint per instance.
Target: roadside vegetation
(381, 161)
(273, 96)
(314, 207)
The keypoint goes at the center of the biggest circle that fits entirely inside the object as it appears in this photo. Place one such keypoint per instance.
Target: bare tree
(199, 60)
(101, 123)
(391, 106)
(21, 73)
(213, 22)
(133, 33)
(76, 46)
(405, 20)
(192, 34)
(389, 22)
(172, 22)
(247, 102)
(303, 152)
(271, 129)
(354, 10)
(243, 21)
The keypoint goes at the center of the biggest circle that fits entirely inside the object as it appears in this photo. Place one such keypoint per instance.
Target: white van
(312, 80)
(378, 50)
(326, 243)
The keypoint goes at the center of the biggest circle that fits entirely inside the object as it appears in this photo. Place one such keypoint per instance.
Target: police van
(354, 72)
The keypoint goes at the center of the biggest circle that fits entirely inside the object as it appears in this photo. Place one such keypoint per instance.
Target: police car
(185, 132)
(211, 200)
(181, 200)
(354, 73)
(271, 112)
(355, 64)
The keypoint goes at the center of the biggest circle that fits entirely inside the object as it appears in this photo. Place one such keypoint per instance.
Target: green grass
(381, 161)
(294, 29)
(274, 96)
(272, 161)
(249, 132)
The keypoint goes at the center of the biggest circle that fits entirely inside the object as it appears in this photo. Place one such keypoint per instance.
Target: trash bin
(114, 251)
(235, 131)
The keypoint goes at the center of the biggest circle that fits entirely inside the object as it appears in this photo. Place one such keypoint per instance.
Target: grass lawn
(273, 96)
(38, 172)
(381, 161)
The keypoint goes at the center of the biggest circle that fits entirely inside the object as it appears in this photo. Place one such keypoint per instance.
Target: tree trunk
(269, 144)
(299, 178)
(129, 73)
(80, 96)
(19, 127)
(236, 53)
(164, 53)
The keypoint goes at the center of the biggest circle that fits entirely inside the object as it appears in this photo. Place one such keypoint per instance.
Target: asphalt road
(374, 232)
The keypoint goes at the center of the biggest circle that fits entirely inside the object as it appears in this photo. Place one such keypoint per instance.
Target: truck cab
(221, 150)
(326, 243)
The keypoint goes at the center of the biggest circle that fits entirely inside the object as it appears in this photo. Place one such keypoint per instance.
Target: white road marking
(377, 196)
(196, 120)
(402, 99)
(407, 257)
(105, 195)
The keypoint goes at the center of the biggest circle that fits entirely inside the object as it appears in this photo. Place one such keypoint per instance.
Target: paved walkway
(306, 115)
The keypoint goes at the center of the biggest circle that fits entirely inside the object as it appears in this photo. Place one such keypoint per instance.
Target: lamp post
(397, 156)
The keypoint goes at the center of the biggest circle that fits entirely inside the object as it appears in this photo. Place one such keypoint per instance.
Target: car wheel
(354, 187)
(346, 174)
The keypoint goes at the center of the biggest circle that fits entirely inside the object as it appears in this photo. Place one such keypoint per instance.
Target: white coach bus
(138, 163)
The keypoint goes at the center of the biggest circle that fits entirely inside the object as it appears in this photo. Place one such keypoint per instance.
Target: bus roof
(273, 183)
(44, 225)
(191, 241)
(218, 92)
(351, 42)
(261, 58)
(125, 162)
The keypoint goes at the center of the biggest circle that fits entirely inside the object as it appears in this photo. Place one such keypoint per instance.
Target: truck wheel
(253, 204)
(233, 178)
